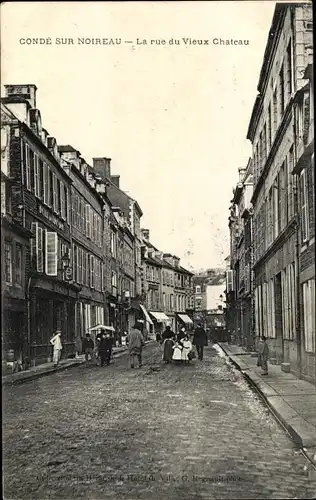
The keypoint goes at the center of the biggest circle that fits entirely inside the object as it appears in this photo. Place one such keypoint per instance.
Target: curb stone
(26, 376)
(299, 430)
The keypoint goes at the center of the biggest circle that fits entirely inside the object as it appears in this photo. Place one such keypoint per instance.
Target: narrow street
(160, 432)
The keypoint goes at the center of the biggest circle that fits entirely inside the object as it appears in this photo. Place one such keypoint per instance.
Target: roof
(68, 149)
(154, 260)
(274, 33)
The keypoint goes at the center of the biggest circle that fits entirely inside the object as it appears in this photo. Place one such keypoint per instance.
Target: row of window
(13, 258)
(46, 251)
(44, 184)
(88, 270)
(279, 210)
(153, 274)
(86, 219)
(281, 90)
(88, 315)
(278, 295)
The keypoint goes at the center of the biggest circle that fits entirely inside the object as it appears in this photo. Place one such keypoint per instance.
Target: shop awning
(160, 316)
(185, 319)
(148, 318)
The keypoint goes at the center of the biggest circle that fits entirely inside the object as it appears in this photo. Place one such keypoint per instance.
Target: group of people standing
(179, 347)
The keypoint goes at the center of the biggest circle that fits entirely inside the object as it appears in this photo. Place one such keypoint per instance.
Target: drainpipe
(297, 254)
(29, 319)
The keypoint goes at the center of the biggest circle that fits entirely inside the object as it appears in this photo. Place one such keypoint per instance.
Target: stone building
(152, 286)
(88, 198)
(131, 216)
(240, 224)
(305, 171)
(276, 234)
(15, 256)
(40, 192)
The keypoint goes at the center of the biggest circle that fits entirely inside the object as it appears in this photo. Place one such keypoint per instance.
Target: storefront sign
(51, 217)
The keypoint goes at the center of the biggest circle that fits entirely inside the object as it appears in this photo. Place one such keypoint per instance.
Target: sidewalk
(48, 368)
(292, 400)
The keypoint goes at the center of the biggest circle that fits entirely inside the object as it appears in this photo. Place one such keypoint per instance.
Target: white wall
(212, 296)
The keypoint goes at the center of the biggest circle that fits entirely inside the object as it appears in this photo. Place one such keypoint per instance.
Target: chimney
(102, 166)
(26, 92)
(145, 234)
(115, 179)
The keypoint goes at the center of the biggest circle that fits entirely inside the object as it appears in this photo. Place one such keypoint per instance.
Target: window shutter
(230, 281)
(91, 271)
(34, 227)
(54, 193)
(62, 201)
(87, 215)
(51, 254)
(40, 250)
(77, 265)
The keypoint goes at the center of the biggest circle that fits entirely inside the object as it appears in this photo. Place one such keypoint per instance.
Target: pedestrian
(135, 345)
(263, 355)
(57, 346)
(158, 337)
(88, 347)
(168, 344)
(186, 349)
(105, 349)
(200, 340)
(181, 334)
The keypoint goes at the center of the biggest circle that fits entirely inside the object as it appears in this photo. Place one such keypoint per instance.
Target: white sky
(172, 118)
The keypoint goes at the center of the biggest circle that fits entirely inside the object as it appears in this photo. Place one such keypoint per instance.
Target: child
(187, 348)
(105, 349)
(263, 355)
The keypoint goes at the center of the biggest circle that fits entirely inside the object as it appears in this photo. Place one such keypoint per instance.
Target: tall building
(40, 194)
(240, 289)
(281, 192)
(15, 254)
(88, 199)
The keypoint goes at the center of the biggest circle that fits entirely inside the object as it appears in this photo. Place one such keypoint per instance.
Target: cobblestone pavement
(160, 432)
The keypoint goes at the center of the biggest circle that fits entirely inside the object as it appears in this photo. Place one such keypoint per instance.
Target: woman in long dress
(168, 343)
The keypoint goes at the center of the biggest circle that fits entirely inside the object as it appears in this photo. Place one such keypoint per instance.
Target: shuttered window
(27, 164)
(45, 182)
(62, 201)
(37, 247)
(309, 315)
(304, 207)
(51, 253)
(88, 223)
(92, 280)
(36, 176)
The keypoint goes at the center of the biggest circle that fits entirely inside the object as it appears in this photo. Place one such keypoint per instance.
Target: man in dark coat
(105, 349)
(200, 340)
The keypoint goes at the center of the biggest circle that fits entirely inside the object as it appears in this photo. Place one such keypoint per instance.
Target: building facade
(240, 225)
(41, 201)
(277, 225)
(87, 240)
(305, 171)
(15, 257)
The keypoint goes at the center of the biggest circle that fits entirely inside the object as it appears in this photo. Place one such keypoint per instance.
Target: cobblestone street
(161, 432)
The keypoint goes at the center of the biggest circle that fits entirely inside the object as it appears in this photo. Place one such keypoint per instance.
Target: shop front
(52, 307)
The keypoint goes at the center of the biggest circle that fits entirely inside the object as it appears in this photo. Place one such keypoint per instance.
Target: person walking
(105, 349)
(135, 345)
(168, 344)
(200, 340)
(57, 347)
(88, 347)
(263, 355)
